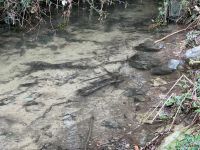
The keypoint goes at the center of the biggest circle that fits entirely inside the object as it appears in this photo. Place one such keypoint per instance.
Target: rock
(111, 124)
(130, 92)
(193, 53)
(143, 61)
(149, 46)
(139, 98)
(162, 70)
(167, 68)
(173, 63)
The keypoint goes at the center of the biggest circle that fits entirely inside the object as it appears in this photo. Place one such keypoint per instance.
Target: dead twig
(179, 31)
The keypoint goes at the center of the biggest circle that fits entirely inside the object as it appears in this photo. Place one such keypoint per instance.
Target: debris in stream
(98, 84)
(40, 65)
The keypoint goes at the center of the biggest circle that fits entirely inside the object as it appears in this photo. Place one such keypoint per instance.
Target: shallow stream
(57, 90)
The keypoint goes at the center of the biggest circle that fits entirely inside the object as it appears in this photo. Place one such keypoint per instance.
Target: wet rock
(149, 46)
(111, 124)
(163, 70)
(143, 61)
(139, 98)
(167, 68)
(130, 92)
(193, 53)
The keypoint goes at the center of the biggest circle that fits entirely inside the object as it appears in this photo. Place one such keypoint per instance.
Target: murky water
(40, 107)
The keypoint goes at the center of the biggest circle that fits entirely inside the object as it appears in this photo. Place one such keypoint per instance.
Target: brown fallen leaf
(136, 147)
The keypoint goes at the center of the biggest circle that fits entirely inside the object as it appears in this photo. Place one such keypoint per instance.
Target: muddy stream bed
(75, 88)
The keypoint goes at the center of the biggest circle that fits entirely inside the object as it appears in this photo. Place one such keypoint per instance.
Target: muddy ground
(74, 89)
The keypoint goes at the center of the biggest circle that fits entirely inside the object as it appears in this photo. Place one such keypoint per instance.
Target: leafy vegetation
(186, 10)
(23, 12)
(187, 142)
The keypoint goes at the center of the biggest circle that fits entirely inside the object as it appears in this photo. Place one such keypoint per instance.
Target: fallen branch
(179, 31)
(169, 35)
(97, 85)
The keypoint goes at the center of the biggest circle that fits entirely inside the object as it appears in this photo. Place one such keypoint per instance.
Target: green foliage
(188, 99)
(164, 10)
(22, 12)
(177, 100)
(189, 142)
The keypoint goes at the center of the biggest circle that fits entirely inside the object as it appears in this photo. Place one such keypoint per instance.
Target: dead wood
(40, 65)
(97, 85)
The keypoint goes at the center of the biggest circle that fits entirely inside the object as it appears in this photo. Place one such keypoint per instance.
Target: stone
(193, 53)
(130, 92)
(111, 124)
(149, 46)
(143, 61)
(173, 63)
(167, 68)
(139, 98)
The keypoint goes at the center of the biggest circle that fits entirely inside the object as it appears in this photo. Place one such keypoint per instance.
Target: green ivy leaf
(197, 110)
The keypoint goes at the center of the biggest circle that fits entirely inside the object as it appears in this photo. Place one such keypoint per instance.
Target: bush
(21, 12)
